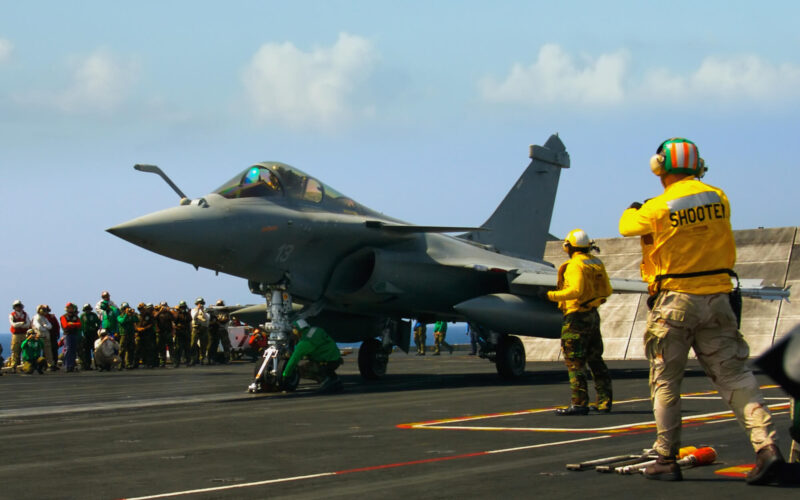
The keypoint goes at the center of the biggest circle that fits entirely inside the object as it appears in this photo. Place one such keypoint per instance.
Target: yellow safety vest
(582, 284)
(686, 229)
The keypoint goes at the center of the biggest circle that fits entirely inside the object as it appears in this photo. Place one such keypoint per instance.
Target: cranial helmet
(678, 156)
(301, 325)
(577, 238)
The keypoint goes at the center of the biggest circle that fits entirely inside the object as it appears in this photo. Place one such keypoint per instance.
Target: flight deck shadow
(552, 374)
(540, 377)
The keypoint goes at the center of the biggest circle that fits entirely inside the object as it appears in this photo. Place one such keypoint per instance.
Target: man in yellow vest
(582, 286)
(688, 254)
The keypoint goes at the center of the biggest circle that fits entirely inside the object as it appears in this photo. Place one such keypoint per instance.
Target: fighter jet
(315, 253)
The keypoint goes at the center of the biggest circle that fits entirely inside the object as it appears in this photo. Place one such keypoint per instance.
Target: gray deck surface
(166, 431)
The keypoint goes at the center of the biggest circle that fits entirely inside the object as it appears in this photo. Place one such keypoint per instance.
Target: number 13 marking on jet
(284, 251)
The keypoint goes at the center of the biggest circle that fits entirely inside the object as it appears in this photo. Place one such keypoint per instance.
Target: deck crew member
(199, 342)
(439, 335)
(420, 336)
(688, 257)
(316, 356)
(20, 324)
(582, 286)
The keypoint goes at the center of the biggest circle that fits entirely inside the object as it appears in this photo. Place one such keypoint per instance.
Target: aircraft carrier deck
(435, 427)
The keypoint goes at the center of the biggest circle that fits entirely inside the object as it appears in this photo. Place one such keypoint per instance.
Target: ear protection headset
(678, 156)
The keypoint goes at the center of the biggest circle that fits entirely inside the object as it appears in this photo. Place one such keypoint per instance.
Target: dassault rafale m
(317, 254)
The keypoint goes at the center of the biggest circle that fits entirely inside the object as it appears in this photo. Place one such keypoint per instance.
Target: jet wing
(408, 229)
(527, 282)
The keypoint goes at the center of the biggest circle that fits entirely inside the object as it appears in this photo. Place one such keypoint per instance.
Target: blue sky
(421, 110)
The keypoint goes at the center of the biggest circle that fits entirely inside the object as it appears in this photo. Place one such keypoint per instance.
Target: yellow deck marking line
(443, 424)
(704, 418)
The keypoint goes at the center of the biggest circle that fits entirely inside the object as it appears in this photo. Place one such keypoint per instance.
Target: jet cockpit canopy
(273, 179)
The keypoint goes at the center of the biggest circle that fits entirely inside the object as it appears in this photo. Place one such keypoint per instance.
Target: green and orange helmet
(677, 156)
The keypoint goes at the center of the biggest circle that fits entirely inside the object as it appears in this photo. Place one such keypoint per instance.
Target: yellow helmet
(577, 238)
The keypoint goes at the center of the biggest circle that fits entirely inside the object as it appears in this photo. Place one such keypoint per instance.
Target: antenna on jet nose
(155, 170)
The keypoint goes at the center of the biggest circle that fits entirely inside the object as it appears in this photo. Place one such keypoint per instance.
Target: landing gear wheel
(510, 359)
(372, 359)
(290, 383)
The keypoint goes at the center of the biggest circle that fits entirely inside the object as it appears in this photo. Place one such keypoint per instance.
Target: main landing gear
(506, 352)
(372, 359)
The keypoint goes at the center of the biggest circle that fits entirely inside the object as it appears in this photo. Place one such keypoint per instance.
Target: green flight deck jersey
(315, 344)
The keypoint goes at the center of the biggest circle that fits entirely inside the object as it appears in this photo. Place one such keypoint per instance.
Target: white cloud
(99, 83)
(738, 78)
(556, 78)
(6, 47)
(316, 88)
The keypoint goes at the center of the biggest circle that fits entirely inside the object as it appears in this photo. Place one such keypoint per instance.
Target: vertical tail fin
(520, 225)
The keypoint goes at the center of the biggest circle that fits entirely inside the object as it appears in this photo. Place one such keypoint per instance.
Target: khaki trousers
(16, 348)
(707, 324)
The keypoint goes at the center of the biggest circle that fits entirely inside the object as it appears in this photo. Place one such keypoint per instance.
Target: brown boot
(769, 463)
(665, 469)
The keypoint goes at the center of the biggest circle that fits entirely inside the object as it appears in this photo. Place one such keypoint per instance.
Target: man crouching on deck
(316, 356)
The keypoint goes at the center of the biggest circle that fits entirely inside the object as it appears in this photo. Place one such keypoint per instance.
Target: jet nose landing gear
(268, 376)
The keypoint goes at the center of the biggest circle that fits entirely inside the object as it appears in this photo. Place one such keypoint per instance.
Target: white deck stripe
(232, 486)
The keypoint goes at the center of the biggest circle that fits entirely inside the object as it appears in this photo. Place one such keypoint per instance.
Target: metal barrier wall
(771, 254)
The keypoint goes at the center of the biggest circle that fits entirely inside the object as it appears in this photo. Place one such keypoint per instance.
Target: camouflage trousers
(419, 340)
(582, 346)
(707, 324)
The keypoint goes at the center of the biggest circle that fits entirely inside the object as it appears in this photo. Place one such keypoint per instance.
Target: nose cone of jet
(168, 232)
(145, 231)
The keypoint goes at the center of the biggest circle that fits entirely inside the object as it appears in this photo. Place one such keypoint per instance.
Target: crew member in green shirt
(316, 356)
(33, 354)
(439, 334)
